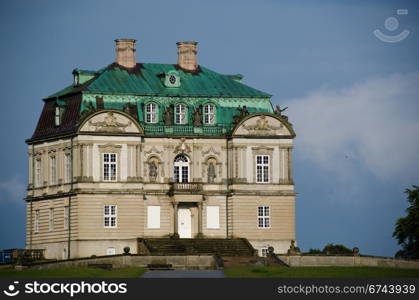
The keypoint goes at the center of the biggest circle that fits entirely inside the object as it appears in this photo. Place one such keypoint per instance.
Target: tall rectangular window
(109, 167)
(153, 216)
(36, 223)
(53, 170)
(209, 114)
(264, 217)
(109, 216)
(51, 219)
(262, 168)
(38, 173)
(180, 114)
(66, 216)
(151, 113)
(67, 162)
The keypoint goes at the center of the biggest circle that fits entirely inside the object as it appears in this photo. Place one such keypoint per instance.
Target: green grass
(77, 272)
(313, 272)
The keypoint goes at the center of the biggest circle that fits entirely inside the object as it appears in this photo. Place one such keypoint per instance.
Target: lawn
(77, 272)
(313, 272)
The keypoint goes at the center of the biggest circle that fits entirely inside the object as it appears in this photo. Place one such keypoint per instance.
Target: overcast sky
(353, 98)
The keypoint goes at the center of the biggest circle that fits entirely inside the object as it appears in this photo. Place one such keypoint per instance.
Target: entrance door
(184, 223)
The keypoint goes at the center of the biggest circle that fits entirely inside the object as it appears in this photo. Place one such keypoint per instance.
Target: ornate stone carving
(262, 127)
(153, 149)
(210, 150)
(197, 117)
(153, 171)
(211, 172)
(182, 147)
(109, 124)
(168, 116)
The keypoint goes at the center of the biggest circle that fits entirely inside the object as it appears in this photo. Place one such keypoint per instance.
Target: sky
(352, 97)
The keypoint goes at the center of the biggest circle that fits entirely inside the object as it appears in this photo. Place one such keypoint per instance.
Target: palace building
(146, 150)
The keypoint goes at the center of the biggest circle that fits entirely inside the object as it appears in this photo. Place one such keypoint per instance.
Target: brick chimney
(125, 52)
(186, 55)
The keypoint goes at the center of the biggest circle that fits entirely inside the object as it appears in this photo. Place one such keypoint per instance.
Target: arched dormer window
(181, 113)
(209, 114)
(181, 169)
(151, 113)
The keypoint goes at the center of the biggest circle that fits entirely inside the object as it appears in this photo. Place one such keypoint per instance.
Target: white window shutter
(213, 217)
(153, 216)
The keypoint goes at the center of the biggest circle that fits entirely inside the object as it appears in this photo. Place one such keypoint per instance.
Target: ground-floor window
(111, 251)
(264, 220)
(109, 215)
(263, 252)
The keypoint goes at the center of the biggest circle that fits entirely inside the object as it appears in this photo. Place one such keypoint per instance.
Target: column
(175, 206)
(199, 218)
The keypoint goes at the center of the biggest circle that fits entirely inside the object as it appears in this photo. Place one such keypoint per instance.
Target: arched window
(181, 170)
(180, 114)
(151, 113)
(209, 114)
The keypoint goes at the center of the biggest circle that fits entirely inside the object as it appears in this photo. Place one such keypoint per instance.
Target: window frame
(36, 220)
(264, 168)
(66, 217)
(208, 113)
(68, 167)
(179, 169)
(53, 170)
(107, 167)
(264, 217)
(264, 251)
(151, 115)
(51, 219)
(57, 116)
(110, 216)
(38, 172)
(181, 114)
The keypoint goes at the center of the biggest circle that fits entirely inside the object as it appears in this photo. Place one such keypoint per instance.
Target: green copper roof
(148, 80)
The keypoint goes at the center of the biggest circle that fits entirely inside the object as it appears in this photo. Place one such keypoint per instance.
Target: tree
(407, 229)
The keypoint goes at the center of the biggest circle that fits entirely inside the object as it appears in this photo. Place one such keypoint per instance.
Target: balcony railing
(186, 187)
(184, 130)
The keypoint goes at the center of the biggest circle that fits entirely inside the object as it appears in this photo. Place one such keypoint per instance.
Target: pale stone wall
(135, 189)
(317, 260)
(118, 261)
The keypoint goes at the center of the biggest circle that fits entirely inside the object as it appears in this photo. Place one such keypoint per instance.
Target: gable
(112, 122)
(263, 125)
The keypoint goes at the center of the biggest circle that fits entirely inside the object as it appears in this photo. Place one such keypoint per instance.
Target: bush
(336, 249)
(314, 251)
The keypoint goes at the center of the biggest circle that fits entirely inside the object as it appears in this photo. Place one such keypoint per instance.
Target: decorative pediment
(110, 122)
(182, 147)
(262, 125)
(153, 150)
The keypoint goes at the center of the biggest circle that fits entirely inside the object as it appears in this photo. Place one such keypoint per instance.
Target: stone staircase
(208, 246)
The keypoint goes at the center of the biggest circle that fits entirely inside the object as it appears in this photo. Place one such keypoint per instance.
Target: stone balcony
(185, 187)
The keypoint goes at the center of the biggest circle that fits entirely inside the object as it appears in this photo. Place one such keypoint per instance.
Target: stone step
(229, 247)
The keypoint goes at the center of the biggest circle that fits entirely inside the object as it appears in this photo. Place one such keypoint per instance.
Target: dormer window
(181, 114)
(76, 80)
(58, 115)
(172, 79)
